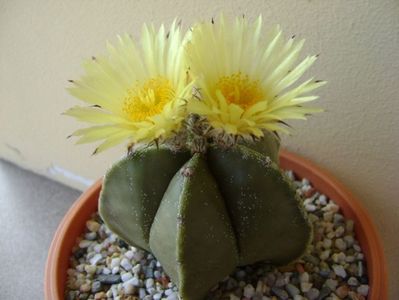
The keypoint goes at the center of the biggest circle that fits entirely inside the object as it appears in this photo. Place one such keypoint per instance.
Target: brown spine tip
(95, 151)
(71, 81)
(212, 21)
(69, 136)
(93, 58)
(293, 37)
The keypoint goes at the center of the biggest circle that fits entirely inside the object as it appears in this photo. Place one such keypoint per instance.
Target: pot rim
(76, 217)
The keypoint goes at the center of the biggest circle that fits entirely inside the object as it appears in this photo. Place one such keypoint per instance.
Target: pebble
(352, 281)
(95, 259)
(280, 293)
(109, 279)
(136, 269)
(339, 271)
(363, 290)
(149, 283)
(342, 291)
(331, 284)
(125, 263)
(96, 286)
(85, 287)
(306, 286)
(85, 243)
(115, 262)
(93, 225)
(129, 288)
(126, 276)
(340, 244)
(312, 294)
(100, 296)
(292, 290)
(327, 243)
(90, 269)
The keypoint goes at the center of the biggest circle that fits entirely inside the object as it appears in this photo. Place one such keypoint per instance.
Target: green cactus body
(133, 189)
(203, 215)
(268, 221)
(192, 232)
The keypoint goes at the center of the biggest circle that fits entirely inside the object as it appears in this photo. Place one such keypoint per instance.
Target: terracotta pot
(74, 222)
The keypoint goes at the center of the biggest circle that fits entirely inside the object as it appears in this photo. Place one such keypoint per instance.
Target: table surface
(31, 208)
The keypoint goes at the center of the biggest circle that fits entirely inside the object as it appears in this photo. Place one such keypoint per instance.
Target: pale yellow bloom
(244, 76)
(137, 95)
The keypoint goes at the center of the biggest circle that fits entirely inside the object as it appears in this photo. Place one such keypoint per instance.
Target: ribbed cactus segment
(268, 145)
(267, 218)
(133, 189)
(192, 235)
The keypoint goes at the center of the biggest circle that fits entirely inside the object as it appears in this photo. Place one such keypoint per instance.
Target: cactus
(203, 215)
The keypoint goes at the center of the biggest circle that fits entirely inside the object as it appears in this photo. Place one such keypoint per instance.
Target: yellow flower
(135, 95)
(243, 77)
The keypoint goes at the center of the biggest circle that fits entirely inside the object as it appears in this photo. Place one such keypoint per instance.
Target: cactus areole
(200, 187)
(203, 214)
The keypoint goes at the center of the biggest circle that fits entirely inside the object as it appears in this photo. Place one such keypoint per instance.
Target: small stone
(126, 276)
(142, 293)
(339, 270)
(125, 263)
(280, 293)
(292, 290)
(304, 277)
(331, 283)
(349, 224)
(92, 225)
(85, 243)
(310, 207)
(90, 269)
(91, 236)
(157, 296)
(109, 279)
(249, 291)
(96, 286)
(298, 297)
(95, 259)
(323, 199)
(115, 270)
(149, 283)
(136, 269)
(339, 231)
(306, 286)
(85, 287)
(129, 288)
(173, 296)
(342, 291)
(312, 294)
(325, 255)
(139, 255)
(100, 296)
(349, 240)
(115, 262)
(129, 254)
(324, 292)
(106, 271)
(327, 243)
(363, 290)
(340, 244)
(157, 274)
(352, 281)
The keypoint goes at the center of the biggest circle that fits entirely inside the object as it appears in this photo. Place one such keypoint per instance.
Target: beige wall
(42, 44)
